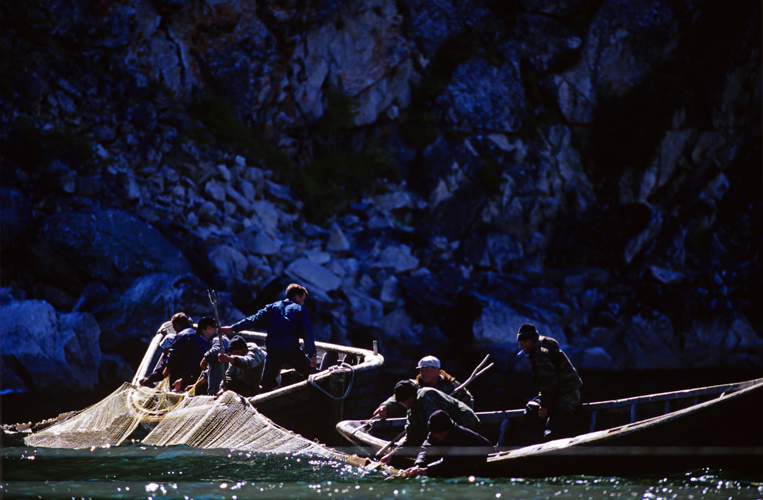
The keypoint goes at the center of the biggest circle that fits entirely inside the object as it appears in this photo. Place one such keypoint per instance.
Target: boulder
(110, 246)
(484, 98)
(313, 274)
(49, 351)
(397, 258)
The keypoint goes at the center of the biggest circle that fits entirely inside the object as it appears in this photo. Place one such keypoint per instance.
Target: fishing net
(229, 421)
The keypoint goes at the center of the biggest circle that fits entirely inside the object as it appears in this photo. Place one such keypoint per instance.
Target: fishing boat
(342, 388)
(717, 426)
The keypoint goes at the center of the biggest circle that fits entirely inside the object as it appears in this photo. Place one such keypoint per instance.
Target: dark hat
(237, 343)
(440, 421)
(206, 321)
(404, 390)
(527, 332)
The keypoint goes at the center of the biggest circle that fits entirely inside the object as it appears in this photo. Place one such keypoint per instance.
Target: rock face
(435, 172)
(47, 351)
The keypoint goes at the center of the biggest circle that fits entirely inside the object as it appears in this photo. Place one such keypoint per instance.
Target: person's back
(285, 321)
(552, 369)
(245, 371)
(428, 400)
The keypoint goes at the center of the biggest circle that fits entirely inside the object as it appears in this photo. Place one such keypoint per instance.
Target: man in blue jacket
(186, 353)
(285, 322)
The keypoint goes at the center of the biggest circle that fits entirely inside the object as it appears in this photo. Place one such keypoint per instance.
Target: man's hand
(415, 471)
(543, 412)
(225, 330)
(203, 363)
(313, 361)
(386, 459)
(177, 385)
(224, 358)
(381, 412)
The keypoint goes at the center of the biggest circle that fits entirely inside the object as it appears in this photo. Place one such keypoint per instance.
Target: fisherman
(285, 322)
(214, 370)
(246, 363)
(430, 375)
(420, 403)
(185, 355)
(550, 413)
(450, 449)
(179, 322)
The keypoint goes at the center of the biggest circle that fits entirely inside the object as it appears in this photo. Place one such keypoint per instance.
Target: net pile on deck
(229, 421)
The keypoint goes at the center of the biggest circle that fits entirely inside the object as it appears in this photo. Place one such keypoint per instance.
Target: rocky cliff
(435, 172)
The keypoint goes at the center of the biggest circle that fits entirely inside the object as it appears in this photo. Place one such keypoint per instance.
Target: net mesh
(229, 421)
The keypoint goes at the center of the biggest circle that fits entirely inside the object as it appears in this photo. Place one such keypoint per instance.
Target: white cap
(428, 361)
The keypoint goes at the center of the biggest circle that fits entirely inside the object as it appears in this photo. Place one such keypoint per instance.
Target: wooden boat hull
(343, 389)
(717, 426)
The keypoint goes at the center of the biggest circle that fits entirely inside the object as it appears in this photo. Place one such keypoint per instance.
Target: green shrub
(219, 118)
(33, 148)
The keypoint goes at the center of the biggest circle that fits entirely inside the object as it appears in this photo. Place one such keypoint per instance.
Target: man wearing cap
(285, 322)
(430, 375)
(180, 322)
(450, 449)
(185, 355)
(550, 413)
(421, 403)
(246, 362)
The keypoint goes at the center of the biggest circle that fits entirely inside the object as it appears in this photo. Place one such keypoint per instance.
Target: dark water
(137, 471)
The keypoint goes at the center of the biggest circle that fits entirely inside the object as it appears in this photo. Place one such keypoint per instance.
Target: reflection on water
(137, 471)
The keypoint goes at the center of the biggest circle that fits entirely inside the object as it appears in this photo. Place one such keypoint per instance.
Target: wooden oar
(476, 373)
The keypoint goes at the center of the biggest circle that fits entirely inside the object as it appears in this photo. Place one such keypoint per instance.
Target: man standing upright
(285, 322)
(549, 414)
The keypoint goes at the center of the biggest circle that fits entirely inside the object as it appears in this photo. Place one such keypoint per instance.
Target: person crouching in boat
(549, 414)
(430, 375)
(245, 366)
(180, 323)
(450, 449)
(421, 403)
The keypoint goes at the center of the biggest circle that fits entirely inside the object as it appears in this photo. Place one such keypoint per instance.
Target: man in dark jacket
(420, 404)
(186, 353)
(450, 449)
(285, 322)
(550, 413)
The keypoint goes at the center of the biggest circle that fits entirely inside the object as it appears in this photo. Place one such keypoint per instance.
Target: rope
(311, 380)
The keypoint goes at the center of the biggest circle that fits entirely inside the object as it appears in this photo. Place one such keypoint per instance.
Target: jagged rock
(337, 240)
(267, 213)
(365, 310)
(55, 352)
(365, 56)
(389, 293)
(215, 190)
(227, 260)
(498, 324)
(398, 258)
(625, 41)
(433, 22)
(260, 242)
(316, 275)
(484, 98)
